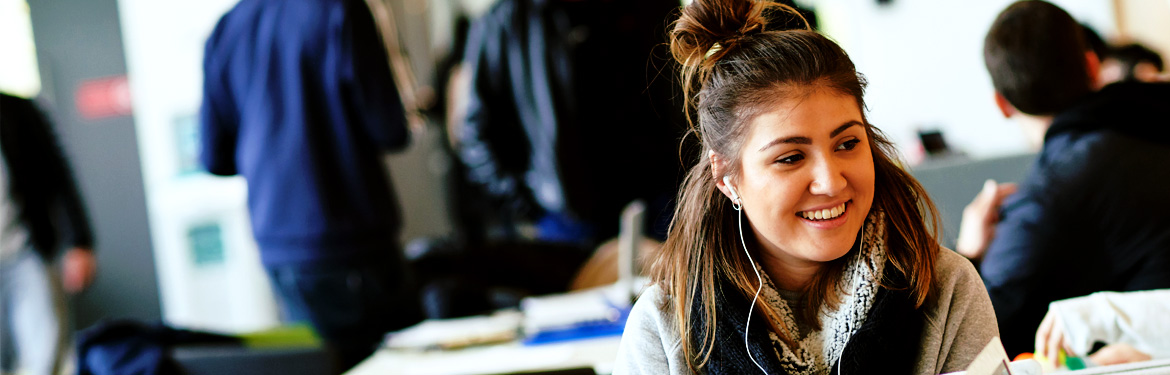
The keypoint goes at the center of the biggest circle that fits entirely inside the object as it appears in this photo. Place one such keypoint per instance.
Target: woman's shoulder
(652, 306)
(958, 286)
(653, 315)
(954, 270)
(960, 318)
(650, 343)
(956, 282)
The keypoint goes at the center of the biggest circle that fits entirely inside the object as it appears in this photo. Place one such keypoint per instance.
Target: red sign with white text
(104, 97)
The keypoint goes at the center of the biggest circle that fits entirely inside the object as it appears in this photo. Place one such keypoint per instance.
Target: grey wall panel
(78, 40)
(953, 184)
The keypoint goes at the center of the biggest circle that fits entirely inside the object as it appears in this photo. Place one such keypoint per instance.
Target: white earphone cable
(748, 326)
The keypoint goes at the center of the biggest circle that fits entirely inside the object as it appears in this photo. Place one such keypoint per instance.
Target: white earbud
(734, 195)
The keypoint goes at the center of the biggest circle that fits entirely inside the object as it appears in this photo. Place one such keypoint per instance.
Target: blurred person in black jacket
(571, 115)
(41, 213)
(1090, 216)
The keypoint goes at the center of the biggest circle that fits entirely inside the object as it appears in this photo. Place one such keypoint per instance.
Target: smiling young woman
(806, 182)
(838, 264)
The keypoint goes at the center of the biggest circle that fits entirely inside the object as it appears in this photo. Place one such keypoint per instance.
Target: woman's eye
(849, 145)
(791, 159)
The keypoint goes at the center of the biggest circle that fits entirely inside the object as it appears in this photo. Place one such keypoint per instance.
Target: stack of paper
(503, 326)
(589, 313)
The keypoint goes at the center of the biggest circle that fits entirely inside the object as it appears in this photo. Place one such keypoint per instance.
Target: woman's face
(807, 178)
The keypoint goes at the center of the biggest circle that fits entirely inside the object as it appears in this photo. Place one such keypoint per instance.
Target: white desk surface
(598, 353)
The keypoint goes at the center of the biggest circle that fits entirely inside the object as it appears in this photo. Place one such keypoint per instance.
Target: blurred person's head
(1131, 62)
(1039, 64)
(780, 119)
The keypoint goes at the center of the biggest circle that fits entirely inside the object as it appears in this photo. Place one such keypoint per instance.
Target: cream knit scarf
(818, 350)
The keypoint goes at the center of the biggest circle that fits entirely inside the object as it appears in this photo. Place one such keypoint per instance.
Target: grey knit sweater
(959, 324)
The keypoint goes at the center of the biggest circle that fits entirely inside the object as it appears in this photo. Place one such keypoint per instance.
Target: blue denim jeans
(351, 306)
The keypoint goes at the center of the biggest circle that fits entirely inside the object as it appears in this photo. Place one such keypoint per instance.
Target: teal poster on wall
(206, 242)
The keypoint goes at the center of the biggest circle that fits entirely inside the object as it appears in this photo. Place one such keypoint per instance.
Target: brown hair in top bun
(708, 30)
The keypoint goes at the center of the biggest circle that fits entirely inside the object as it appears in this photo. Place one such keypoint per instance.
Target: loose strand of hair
(913, 222)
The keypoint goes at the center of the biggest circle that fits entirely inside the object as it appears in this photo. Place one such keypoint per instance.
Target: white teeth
(828, 213)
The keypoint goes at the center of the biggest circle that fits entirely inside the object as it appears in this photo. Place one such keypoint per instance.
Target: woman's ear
(718, 171)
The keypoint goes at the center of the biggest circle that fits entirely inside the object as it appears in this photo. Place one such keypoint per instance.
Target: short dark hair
(1035, 53)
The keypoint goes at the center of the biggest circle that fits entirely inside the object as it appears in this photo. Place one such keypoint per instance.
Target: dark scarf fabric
(887, 342)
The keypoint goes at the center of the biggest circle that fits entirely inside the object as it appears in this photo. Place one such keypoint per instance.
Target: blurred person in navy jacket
(1091, 215)
(41, 212)
(299, 99)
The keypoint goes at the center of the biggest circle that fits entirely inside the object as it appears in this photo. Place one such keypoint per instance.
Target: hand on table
(1050, 338)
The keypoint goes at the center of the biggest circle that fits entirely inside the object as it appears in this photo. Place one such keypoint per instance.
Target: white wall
(1145, 22)
(18, 68)
(924, 62)
(164, 53)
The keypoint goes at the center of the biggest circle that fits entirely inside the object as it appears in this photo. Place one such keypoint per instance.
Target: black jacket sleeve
(41, 180)
(492, 141)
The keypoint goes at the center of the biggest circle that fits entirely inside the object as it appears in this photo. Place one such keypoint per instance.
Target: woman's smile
(826, 218)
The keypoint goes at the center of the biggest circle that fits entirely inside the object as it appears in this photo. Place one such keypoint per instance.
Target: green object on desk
(288, 336)
(1075, 363)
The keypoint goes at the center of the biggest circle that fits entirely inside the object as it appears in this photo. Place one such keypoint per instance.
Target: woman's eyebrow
(842, 128)
(793, 140)
(808, 141)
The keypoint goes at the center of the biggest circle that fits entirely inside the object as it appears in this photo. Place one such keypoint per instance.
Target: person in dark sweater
(1090, 215)
(300, 101)
(41, 212)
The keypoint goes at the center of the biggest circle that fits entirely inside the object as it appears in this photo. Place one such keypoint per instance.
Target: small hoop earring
(736, 205)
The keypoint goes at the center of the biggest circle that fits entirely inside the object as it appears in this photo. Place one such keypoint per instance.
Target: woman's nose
(827, 178)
